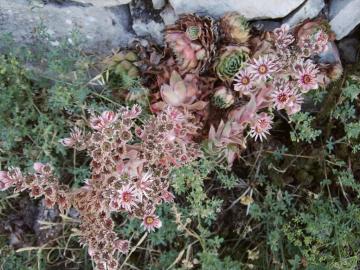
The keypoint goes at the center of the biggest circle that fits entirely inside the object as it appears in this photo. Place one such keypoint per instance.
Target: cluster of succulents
(204, 64)
(251, 76)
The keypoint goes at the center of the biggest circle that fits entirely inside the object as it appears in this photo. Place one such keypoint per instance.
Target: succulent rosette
(192, 40)
(180, 93)
(223, 97)
(123, 64)
(235, 28)
(313, 37)
(226, 142)
(230, 61)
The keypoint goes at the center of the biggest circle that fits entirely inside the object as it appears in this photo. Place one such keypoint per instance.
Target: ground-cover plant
(194, 155)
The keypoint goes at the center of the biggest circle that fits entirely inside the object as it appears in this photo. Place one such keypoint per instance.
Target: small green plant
(303, 131)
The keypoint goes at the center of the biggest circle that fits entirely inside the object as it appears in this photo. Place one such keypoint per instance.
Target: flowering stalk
(125, 177)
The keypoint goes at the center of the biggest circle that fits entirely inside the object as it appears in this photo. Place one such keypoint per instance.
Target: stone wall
(113, 23)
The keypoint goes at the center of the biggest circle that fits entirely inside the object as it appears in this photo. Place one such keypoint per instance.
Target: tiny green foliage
(345, 109)
(318, 95)
(279, 152)
(303, 130)
(344, 112)
(352, 130)
(211, 261)
(325, 235)
(190, 180)
(346, 179)
(352, 88)
(10, 260)
(272, 213)
(227, 179)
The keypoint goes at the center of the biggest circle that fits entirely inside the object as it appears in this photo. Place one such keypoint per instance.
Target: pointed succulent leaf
(212, 133)
(180, 88)
(169, 96)
(131, 56)
(175, 77)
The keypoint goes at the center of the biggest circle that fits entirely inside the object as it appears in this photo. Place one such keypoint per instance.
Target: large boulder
(102, 28)
(259, 9)
(310, 9)
(344, 16)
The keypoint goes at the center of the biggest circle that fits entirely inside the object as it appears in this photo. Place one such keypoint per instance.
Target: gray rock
(331, 55)
(62, 3)
(344, 16)
(168, 15)
(158, 4)
(147, 21)
(259, 9)
(349, 49)
(104, 3)
(310, 9)
(102, 28)
(149, 28)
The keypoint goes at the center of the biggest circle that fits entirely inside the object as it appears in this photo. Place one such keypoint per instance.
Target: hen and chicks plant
(129, 174)
(192, 40)
(253, 76)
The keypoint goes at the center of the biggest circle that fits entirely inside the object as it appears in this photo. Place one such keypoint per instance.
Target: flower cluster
(127, 176)
(278, 76)
(40, 183)
(129, 173)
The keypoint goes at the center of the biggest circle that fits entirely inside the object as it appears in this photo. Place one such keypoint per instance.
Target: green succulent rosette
(230, 61)
(223, 98)
(125, 64)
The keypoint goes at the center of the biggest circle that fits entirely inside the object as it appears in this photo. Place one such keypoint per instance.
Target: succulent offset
(235, 28)
(230, 60)
(192, 40)
(223, 97)
(123, 64)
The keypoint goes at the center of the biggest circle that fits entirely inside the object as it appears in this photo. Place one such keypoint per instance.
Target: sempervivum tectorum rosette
(225, 143)
(192, 40)
(235, 28)
(180, 92)
(223, 97)
(230, 60)
(124, 64)
(313, 37)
